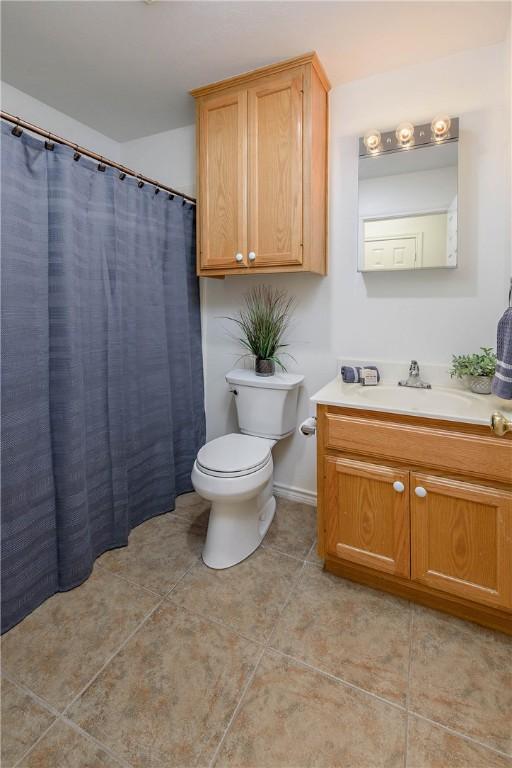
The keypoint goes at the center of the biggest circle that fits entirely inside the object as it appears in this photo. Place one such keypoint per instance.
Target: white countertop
(450, 403)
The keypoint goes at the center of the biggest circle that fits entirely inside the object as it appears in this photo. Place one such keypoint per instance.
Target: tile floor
(158, 661)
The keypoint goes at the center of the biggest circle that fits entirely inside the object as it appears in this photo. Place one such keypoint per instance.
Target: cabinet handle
(239, 257)
(398, 486)
(420, 491)
(252, 256)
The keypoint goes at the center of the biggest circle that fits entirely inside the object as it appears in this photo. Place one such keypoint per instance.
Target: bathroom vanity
(415, 496)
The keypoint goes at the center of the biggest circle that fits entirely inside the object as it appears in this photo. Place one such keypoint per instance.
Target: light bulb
(405, 133)
(440, 126)
(372, 140)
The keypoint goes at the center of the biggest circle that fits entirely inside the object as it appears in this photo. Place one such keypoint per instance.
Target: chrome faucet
(414, 379)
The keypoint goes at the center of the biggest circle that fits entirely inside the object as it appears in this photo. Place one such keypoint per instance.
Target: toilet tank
(266, 405)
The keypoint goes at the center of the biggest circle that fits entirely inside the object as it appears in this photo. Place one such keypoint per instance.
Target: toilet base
(237, 528)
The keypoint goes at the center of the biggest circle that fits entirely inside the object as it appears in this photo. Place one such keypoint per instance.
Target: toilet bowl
(235, 472)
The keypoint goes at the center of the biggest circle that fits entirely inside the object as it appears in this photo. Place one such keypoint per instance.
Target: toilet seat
(234, 455)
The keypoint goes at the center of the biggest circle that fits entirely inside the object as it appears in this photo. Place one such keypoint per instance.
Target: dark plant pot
(264, 367)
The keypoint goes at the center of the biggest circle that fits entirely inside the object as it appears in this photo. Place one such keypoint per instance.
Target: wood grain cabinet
(262, 171)
(422, 513)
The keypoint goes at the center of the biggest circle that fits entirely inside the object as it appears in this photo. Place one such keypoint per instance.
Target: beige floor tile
(158, 554)
(23, 722)
(248, 596)
(193, 508)
(292, 716)
(65, 641)
(170, 692)
(461, 676)
(431, 747)
(355, 633)
(63, 747)
(293, 529)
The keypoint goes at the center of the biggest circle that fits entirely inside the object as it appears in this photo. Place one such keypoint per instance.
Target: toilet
(235, 472)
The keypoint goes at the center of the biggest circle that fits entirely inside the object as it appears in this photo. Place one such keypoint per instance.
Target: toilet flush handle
(234, 391)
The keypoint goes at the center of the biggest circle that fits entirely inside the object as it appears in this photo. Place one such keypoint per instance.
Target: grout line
(408, 693)
(266, 647)
(95, 741)
(38, 699)
(129, 581)
(461, 735)
(236, 709)
(62, 716)
(112, 656)
(271, 548)
(36, 742)
(341, 680)
(214, 620)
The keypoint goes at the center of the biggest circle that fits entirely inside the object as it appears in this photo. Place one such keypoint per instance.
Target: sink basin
(437, 399)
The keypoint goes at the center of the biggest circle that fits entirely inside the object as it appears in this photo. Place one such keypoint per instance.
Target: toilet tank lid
(248, 378)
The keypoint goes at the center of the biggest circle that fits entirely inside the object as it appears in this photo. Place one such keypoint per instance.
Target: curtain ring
(140, 183)
(101, 165)
(17, 131)
(77, 154)
(49, 143)
(157, 190)
(122, 175)
(171, 196)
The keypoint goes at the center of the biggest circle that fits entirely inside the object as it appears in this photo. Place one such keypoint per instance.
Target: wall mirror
(408, 188)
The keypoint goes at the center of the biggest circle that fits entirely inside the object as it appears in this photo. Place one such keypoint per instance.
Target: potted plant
(477, 369)
(262, 323)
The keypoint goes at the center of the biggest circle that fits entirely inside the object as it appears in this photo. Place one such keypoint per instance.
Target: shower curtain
(102, 388)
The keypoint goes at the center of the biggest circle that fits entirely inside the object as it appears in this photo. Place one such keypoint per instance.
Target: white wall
(423, 315)
(168, 157)
(22, 105)
(393, 316)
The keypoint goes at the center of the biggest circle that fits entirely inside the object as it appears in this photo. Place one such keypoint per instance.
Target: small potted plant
(262, 323)
(477, 369)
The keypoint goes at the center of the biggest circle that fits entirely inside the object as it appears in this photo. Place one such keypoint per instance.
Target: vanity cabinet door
(461, 539)
(275, 124)
(222, 181)
(367, 520)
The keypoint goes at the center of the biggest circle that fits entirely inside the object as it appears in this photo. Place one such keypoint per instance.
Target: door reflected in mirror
(408, 208)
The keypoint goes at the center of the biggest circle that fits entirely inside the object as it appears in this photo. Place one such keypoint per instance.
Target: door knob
(239, 257)
(420, 491)
(398, 486)
(500, 424)
(252, 256)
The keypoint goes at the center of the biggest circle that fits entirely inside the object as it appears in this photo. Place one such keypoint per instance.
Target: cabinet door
(222, 177)
(367, 514)
(462, 539)
(275, 170)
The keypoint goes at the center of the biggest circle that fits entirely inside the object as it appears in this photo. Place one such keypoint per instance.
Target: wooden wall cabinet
(262, 171)
(419, 508)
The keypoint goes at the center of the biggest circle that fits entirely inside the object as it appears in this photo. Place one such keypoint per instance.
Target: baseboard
(295, 494)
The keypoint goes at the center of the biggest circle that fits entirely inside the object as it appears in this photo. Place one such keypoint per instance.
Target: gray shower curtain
(102, 388)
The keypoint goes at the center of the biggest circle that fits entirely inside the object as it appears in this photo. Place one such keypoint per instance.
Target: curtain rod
(88, 153)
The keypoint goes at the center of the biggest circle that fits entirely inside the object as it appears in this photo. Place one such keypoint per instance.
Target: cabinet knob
(239, 257)
(252, 256)
(420, 491)
(500, 425)
(398, 486)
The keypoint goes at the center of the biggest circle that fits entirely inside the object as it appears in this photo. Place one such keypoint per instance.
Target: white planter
(481, 385)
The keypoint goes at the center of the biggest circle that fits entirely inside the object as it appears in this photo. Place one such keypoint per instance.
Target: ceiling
(125, 68)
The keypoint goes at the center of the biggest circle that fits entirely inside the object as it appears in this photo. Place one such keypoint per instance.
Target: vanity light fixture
(440, 127)
(408, 136)
(405, 134)
(372, 141)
